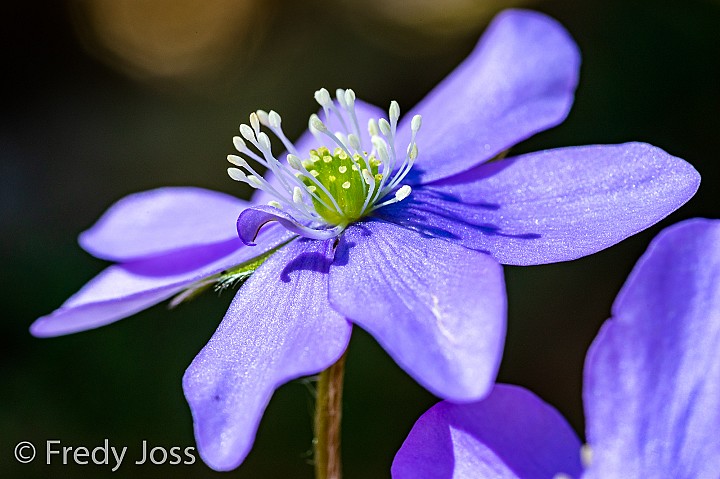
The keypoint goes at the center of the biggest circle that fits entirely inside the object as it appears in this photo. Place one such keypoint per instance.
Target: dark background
(102, 99)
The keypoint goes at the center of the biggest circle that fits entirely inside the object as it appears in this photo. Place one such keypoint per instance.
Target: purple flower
(404, 242)
(652, 388)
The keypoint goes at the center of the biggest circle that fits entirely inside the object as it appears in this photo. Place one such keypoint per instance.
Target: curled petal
(252, 219)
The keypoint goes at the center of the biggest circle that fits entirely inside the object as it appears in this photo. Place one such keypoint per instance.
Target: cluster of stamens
(328, 188)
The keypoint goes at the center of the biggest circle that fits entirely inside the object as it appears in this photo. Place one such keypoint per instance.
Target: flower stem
(328, 413)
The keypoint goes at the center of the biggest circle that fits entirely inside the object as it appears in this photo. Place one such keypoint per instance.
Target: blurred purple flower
(420, 271)
(652, 388)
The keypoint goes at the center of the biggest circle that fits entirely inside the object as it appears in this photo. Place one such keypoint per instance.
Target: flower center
(328, 189)
(345, 178)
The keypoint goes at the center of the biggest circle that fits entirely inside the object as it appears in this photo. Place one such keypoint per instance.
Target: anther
(236, 174)
(372, 127)
(340, 95)
(384, 127)
(349, 98)
(322, 96)
(294, 162)
(247, 133)
(253, 181)
(263, 117)
(416, 123)
(317, 123)
(237, 161)
(255, 122)
(297, 195)
(394, 112)
(239, 144)
(403, 192)
(274, 119)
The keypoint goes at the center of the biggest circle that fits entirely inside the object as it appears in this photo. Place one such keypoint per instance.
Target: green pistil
(343, 178)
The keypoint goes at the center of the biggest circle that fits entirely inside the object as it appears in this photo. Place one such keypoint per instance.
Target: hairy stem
(328, 414)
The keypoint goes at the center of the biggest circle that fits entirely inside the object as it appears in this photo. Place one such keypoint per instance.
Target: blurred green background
(105, 98)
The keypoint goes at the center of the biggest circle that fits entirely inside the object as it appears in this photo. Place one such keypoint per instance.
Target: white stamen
(322, 96)
(255, 122)
(264, 141)
(254, 181)
(237, 161)
(236, 174)
(403, 192)
(317, 123)
(295, 194)
(262, 115)
(349, 98)
(416, 123)
(372, 127)
(394, 112)
(413, 153)
(295, 162)
(247, 133)
(384, 127)
(239, 144)
(274, 119)
(340, 95)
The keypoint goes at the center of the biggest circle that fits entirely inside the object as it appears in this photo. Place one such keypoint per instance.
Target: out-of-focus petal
(122, 290)
(511, 434)
(551, 206)
(279, 327)
(652, 376)
(163, 220)
(519, 80)
(438, 309)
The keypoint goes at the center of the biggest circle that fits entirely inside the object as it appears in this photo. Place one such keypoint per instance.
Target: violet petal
(279, 327)
(519, 80)
(159, 221)
(551, 206)
(511, 434)
(437, 308)
(122, 290)
(652, 376)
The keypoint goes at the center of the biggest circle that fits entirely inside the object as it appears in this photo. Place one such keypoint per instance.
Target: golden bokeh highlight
(178, 39)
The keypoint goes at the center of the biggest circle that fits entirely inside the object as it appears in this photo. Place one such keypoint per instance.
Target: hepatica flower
(379, 222)
(652, 388)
